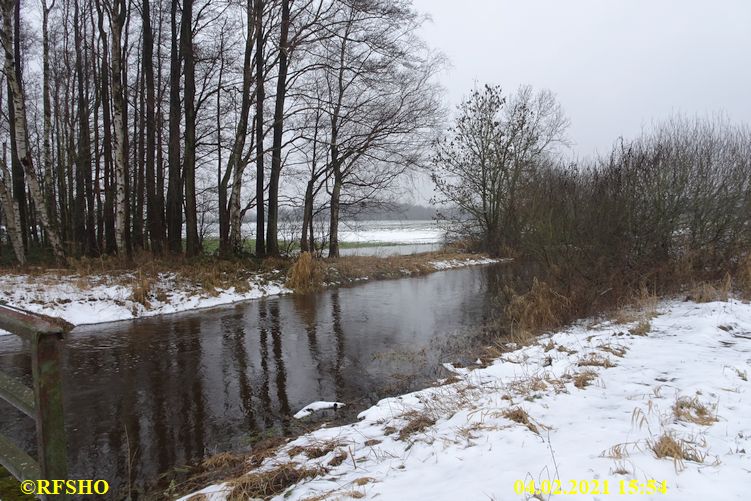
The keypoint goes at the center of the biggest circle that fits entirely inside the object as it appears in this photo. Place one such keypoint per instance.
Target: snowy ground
(100, 299)
(687, 378)
(392, 232)
(374, 232)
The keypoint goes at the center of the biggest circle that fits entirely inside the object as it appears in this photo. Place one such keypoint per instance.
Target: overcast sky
(615, 65)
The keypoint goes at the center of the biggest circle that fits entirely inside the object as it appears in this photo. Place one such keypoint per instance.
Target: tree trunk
(174, 185)
(120, 137)
(19, 183)
(307, 219)
(20, 127)
(193, 244)
(47, 113)
(237, 162)
(153, 211)
(260, 96)
(104, 86)
(139, 152)
(12, 217)
(334, 216)
(276, 157)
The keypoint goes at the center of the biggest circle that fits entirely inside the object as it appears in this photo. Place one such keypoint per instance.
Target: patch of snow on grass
(586, 403)
(459, 263)
(102, 299)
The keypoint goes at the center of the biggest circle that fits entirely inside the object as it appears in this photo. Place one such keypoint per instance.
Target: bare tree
(21, 130)
(490, 153)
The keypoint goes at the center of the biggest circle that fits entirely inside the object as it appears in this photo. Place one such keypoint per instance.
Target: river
(143, 397)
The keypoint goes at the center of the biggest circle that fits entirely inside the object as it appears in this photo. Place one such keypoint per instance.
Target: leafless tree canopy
(130, 126)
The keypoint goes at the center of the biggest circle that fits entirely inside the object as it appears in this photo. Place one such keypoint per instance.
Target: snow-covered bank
(592, 403)
(100, 299)
(95, 299)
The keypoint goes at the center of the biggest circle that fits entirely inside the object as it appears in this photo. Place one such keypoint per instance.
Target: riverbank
(97, 291)
(659, 394)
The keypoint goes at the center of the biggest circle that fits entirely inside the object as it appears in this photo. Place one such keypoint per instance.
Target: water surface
(145, 396)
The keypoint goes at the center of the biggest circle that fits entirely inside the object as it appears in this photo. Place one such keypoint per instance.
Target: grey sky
(615, 64)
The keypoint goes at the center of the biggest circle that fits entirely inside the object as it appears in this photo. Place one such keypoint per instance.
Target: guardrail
(43, 402)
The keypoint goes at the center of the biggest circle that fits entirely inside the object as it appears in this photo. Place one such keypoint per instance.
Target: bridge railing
(43, 402)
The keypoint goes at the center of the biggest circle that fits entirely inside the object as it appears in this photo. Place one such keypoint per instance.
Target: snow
(602, 432)
(459, 263)
(393, 232)
(100, 299)
(315, 407)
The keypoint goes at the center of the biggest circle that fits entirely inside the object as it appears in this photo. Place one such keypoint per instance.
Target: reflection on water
(145, 396)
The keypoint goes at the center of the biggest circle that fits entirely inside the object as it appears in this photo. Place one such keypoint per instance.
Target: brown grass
(306, 274)
(519, 415)
(140, 290)
(223, 461)
(692, 410)
(743, 277)
(338, 459)
(418, 422)
(680, 450)
(706, 292)
(271, 482)
(641, 329)
(584, 378)
(595, 360)
(618, 351)
(542, 308)
(314, 451)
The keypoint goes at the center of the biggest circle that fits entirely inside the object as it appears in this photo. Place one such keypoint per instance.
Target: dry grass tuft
(140, 290)
(618, 351)
(692, 410)
(542, 308)
(354, 494)
(338, 459)
(618, 452)
(417, 423)
(264, 449)
(680, 450)
(641, 329)
(271, 482)
(706, 292)
(223, 461)
(305, 275)
(528, 385)
(519, 415)
(584, 378)
(743, 277)
(313, 451)
(372, 442)
(595, 360)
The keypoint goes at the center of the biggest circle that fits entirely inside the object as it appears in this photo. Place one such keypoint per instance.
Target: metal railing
(43, 402)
